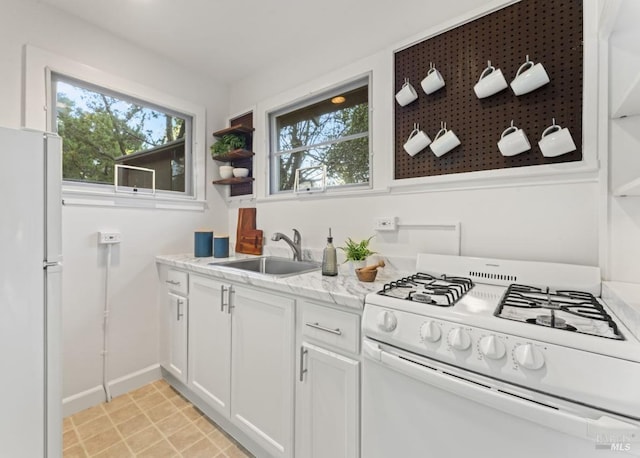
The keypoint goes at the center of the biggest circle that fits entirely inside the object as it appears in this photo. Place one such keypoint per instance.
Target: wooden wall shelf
(234, 180)
(242, 158)
(238, 129)
(233, 155)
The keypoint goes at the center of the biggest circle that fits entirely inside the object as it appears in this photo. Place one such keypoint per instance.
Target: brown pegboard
(243, 189)
(549, 31)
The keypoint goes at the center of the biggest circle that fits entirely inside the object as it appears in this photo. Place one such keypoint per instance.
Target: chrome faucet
(295, 244)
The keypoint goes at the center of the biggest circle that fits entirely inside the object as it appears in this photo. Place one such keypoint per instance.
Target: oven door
(416, 407)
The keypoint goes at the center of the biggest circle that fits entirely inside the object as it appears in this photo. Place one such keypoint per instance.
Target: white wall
(506, 216)
(624, 157)
(145, 232)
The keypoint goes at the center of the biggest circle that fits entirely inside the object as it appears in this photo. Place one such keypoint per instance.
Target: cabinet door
(210, 342)
(262, 368)
(327, 405)
(177, 315)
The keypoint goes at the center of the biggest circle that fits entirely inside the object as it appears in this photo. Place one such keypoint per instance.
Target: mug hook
(527, 59)
(512, 123)
(553, 121)
(416, 126)
(488, 63)
(430, 65)
(406, 81)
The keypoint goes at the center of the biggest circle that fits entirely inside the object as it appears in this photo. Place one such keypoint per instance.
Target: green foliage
(347, 161)
(357, 251)
(227, 143)
(97, 128)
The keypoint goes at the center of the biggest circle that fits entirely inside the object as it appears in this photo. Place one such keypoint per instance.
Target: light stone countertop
(624, 300)
(344, 290)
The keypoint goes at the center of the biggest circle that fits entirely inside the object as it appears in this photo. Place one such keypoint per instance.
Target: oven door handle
(560, 420)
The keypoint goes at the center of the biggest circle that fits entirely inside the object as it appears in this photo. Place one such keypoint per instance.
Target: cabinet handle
(223, 289)
(303, 351)
(172, 282)
(179, 302)
(335, 331)
(231, 301)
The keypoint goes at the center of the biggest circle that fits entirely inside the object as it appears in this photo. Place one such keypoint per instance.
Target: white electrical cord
(105, 328)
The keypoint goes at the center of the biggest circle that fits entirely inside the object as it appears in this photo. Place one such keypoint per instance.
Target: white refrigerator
(30, 294)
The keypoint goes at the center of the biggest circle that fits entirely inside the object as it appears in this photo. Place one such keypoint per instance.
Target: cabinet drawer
(178, 281)
(329, 326)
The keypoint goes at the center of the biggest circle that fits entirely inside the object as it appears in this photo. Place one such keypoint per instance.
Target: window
(328, 132)
(101, 129)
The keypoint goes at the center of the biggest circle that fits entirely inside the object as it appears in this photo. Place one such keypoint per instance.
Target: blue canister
(221, 246)
(203, 244)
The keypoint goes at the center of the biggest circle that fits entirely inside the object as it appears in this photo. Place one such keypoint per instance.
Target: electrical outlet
(105, 238)
(387, 223)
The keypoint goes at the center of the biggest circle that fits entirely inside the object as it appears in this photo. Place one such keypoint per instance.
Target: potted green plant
(356, 253)
(226, 143)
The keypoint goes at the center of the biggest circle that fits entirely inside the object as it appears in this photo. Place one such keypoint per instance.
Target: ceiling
(230, 40)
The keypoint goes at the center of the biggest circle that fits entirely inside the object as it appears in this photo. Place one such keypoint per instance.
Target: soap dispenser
(329, 259)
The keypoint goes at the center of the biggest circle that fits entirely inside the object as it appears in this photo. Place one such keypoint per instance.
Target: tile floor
(153, 421)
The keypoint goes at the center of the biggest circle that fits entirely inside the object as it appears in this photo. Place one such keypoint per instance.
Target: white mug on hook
(556, 140)
(433, 81)
(529, 77)
(417, 141)
(407, 94)
(491, 82)
(445, 141)
(513, 141)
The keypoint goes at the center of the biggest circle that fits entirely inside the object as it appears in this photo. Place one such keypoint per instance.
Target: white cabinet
(328, 388)
(210, 342)
(241, 344)
(173, 326)
(262, 368)
(176, 317)
(327, 404)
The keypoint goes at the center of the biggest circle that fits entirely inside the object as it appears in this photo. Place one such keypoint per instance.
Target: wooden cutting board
(248, 239)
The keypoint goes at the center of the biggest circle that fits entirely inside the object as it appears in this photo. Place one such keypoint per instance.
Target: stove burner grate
(443, 291)
(577, 303)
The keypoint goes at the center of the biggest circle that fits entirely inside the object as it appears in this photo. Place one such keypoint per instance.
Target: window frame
(274, 154)
(56, 77)
(37, 115)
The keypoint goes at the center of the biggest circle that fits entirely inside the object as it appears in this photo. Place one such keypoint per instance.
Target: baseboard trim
(94, 396)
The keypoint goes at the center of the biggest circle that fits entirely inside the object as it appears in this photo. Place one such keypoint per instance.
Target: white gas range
(473, 347)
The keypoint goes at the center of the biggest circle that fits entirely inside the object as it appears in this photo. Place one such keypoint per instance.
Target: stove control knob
(430, 332)
(459, 339)
(528, 356)
(387, 321)
(492, 347)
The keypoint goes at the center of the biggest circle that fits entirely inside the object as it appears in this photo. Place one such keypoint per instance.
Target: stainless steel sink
(270, 265)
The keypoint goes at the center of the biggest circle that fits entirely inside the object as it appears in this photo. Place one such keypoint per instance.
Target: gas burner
(444, 291)
(567, 310)
(551, 321)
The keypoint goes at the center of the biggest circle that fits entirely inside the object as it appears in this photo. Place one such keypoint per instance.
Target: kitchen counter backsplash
(624, 300)
(343, 290)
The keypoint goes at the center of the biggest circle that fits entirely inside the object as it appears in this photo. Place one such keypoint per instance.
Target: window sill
(360, 192)
(85, 198)
(580, 172)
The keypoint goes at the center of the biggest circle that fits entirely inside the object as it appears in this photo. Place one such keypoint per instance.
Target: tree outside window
(100, 129)
(333, 132)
